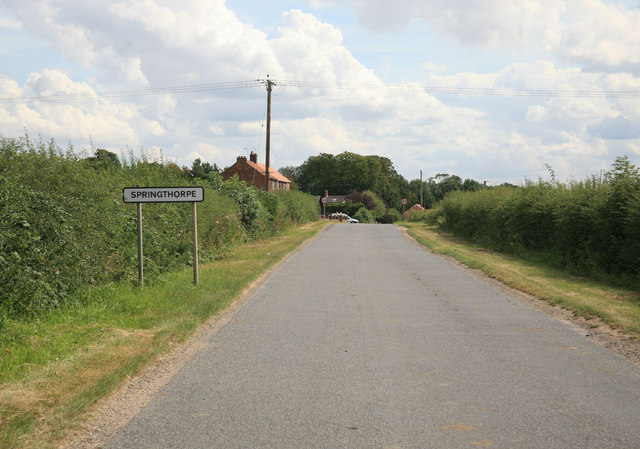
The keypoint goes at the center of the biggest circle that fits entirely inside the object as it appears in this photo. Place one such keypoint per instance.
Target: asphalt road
(362, 339)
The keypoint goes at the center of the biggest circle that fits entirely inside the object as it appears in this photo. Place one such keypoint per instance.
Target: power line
(398, 88)
(463, 91)
(193, 88)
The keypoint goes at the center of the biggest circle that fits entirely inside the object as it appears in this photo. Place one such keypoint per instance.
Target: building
(412, 209)
(253, 174)
(333, 199)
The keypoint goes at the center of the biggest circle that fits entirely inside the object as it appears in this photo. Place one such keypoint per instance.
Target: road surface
(362, 339)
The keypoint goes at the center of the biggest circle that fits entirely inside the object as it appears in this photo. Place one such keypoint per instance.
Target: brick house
(253, 174)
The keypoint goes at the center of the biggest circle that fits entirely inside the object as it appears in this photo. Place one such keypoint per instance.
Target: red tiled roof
(273, 174)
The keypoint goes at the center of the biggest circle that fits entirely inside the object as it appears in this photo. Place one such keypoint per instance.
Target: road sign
(404, 201)
(163, 194)
(324, 199)
(141, 195)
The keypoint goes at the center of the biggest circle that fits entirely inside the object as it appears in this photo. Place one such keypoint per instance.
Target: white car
(343, 217)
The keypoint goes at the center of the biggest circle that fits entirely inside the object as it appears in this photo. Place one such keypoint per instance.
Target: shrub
(299, 207)
(363, 215)
(391, 216)
(592, 226)
(64, 226)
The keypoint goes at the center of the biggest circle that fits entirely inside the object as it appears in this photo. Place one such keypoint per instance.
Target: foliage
(391, 216)
(379, 209)
(64, 226)
(363, 215)
(591, 226)
(299, 207)
(252, 211)
(350, 172)
(204, 170)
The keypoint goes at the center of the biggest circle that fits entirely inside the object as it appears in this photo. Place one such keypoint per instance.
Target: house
(412, 209)
(253, 174)
(333, 199)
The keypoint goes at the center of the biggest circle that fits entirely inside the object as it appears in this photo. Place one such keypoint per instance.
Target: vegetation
(54, 367)
(591, 227)
(348, 173)
(64, 226)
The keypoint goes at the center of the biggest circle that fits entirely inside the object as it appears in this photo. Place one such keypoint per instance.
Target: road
(362, 339)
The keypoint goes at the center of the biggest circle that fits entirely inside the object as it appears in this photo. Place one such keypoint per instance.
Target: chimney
(241, 158)
(254, 157)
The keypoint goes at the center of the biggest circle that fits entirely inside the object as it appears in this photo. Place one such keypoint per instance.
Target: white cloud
(9, 23)
(599, 35)
(130, 44)
(76, 120)
(588, 32)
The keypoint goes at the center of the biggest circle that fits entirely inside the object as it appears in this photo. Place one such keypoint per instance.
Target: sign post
(404, 203)
(141, 195)
(140, 256)
(324, 202)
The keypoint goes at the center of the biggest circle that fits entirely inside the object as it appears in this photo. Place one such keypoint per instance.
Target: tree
(428, 200)
(292, 174)
(470, 185)
(204, 170)
(448, 183)
(104, 159)
(319, 173)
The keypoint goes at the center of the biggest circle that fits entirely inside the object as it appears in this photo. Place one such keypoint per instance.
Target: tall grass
(591, 226)
(63, 224)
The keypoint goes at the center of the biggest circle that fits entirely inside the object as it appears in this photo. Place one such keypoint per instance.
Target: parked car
(343, 217)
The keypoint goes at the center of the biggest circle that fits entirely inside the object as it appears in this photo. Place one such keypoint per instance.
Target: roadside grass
(54, 367)
(618, 307)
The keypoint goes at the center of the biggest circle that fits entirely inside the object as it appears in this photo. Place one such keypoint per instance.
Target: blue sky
(585, 54)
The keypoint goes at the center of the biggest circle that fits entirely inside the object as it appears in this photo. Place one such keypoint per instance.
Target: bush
(592, 226)
(64, 226)
(364, 216)
(391, 217)
(299, 207)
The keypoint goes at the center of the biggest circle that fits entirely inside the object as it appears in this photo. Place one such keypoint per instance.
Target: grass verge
(54, 367)
(618, 307)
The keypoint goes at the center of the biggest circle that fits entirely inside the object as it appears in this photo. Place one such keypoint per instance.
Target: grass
(54, 367)
(617, 307)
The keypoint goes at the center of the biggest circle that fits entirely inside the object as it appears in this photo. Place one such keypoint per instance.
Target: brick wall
(252, 176)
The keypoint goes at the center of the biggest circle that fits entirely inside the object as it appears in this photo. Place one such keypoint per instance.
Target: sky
(493, 90)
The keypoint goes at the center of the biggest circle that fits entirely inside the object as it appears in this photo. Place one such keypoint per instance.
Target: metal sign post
(140, 256)
(194, 232)
(141, 195)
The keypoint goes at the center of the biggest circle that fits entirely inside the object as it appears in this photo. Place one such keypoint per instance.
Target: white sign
(163, 194)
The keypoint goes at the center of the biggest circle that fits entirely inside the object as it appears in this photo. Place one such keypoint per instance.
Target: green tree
(204, 170)
(292, 174)
(319, 173)
(104, 159)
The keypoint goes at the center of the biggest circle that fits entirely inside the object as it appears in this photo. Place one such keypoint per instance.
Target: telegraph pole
(421, 203)
(268, 148)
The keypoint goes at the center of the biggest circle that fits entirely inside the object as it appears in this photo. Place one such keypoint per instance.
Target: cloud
(9, 23)
(616, 128)
(596, 34)
(78, 120)
(131, 44)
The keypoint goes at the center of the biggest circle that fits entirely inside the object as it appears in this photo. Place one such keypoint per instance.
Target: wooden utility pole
(421, 203)
(268, 148)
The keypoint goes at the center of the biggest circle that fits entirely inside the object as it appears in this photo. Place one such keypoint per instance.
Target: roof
(273, 174)
(333, 198)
